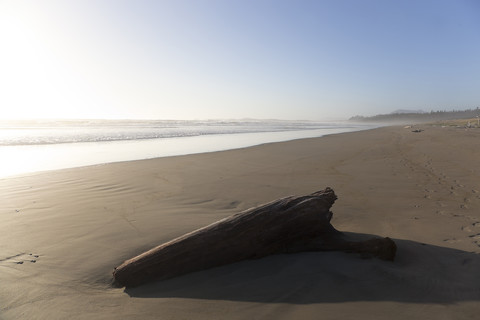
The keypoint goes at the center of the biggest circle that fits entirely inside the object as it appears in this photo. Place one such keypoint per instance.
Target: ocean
(41, 145)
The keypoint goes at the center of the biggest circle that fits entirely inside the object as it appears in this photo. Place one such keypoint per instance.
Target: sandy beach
(62, 232)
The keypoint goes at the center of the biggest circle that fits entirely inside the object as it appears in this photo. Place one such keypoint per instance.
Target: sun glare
(39, 78)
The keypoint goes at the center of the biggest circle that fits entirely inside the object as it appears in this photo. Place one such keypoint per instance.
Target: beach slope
(63, 232)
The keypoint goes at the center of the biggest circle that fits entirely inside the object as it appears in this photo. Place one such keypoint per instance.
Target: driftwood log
(288, 225)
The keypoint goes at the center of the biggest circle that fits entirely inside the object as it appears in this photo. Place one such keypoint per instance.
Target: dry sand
(62, 232)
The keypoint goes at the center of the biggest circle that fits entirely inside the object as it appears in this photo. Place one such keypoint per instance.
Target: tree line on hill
(420, 117)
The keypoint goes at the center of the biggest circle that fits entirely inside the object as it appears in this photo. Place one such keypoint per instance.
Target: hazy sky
(200, 59)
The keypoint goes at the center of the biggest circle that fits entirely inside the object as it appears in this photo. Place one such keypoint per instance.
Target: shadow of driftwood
(420, 274)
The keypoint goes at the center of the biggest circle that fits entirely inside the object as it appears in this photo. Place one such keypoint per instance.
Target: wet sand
(62, 232)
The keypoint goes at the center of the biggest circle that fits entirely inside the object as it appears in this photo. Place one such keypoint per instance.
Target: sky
(212, 59)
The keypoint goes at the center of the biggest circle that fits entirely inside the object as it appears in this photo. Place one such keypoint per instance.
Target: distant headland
(418, 116)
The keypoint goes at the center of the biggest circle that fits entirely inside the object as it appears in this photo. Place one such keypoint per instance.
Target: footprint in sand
(441, 204)
(441, 212)
(458, 184)
(466, 228)
(20, 258)
(475, 238)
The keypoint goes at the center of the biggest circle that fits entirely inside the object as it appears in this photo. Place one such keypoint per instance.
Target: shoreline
(29, 159)
(421, 189)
